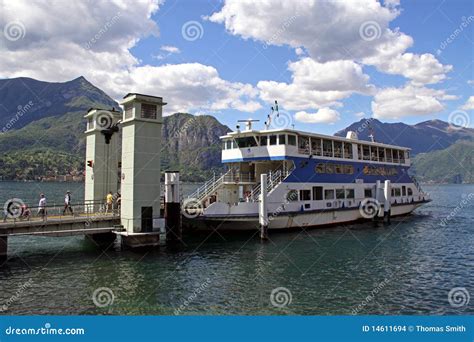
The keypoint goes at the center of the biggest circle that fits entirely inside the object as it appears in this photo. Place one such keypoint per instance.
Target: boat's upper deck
(283, 143)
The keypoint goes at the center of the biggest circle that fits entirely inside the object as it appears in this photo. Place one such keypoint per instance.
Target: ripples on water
(409, 266)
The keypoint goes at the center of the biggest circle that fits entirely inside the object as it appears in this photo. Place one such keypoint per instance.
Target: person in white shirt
(67, 203)
(42, 207)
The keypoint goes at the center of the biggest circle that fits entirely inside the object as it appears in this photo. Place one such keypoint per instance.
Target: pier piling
(3, 248)
(387, 192)
(172, 207)
(262, 208)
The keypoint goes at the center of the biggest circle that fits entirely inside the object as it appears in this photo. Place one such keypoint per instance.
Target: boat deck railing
(274, 178)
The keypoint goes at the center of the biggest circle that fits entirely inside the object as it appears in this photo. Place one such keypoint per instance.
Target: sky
(327, 63)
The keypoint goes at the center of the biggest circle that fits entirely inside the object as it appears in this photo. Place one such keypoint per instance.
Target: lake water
(409, 267)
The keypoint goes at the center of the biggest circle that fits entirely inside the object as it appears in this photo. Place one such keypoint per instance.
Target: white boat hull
(290, 221)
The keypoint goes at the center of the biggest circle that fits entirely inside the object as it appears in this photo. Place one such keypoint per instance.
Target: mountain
(25, 100)
(191, 145)
(453, 165)
(423, 137)
(47, 137)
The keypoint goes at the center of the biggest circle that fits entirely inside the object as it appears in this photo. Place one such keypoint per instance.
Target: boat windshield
(246, 142)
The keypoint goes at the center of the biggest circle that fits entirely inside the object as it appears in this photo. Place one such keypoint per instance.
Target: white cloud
(170, 49)
(395, 103)
(95, 41)
(316, 84)
(470, 82)
(469, 105)
(360, 114)
(422, 69)
(332, 31)
(299, 51)
(323, 115)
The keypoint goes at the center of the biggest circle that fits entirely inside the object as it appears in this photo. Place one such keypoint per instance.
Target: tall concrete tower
(102, 156)
(141, 152)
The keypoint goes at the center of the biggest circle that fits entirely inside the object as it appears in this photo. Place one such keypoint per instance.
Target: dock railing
(15, 212)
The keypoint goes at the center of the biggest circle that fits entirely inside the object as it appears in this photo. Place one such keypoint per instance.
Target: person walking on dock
(67, 203)
(42, 207)
(109, 200)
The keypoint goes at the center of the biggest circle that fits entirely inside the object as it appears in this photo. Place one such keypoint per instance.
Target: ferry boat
(311, 180)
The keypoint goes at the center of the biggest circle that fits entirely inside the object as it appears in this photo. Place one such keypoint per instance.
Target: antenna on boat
(248, 123)
(371, 133)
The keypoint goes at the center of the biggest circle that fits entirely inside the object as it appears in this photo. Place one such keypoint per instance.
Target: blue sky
(311, 57)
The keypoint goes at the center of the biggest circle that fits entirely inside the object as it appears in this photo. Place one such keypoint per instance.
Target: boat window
(368, 193)
(388, 153)
(404, 190)
(329, 168)
(347, 150)
(317, 193)
(381, 154)
(229, 144)
(407, 154)
(348, 169)
(340, 193)
(292, 196)
(282, 139)
(273, 139)
(320, 168)
(397, 192)
(263, 140)
(291, 140)
(329, 194)
(246, 142)
(234, 144)
(223, 145)
(395, 156)
(327, 148)
(303, 145)
(359, 151)
(305, 195)
(402, 156)
(366, 152)
(338, 149)
(393, 192)
(338, 168)
(350, 193)
(373, 153)
(410, 192)
(316, 146)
